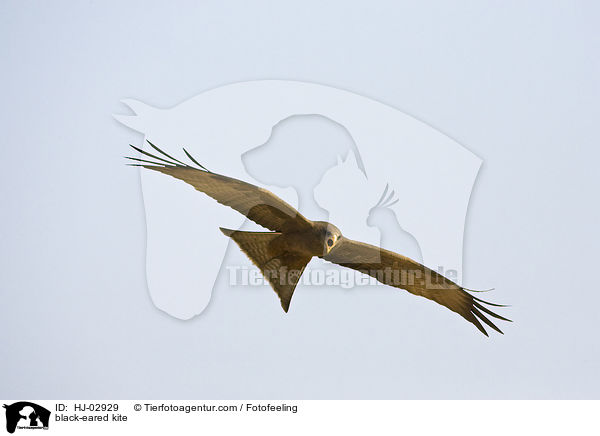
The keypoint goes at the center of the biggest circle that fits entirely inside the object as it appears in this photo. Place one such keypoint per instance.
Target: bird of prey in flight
(293, 240)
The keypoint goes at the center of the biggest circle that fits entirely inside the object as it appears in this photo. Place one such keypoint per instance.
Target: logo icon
(26, 415)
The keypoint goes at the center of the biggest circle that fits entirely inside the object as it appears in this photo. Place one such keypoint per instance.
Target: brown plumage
(283, 253)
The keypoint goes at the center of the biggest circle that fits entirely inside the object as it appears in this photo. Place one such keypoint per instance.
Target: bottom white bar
(277, 417)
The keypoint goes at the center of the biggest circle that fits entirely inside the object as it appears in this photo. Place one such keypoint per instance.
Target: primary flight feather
(283, 253)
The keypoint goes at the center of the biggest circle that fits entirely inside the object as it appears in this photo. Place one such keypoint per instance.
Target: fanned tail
(281, 269)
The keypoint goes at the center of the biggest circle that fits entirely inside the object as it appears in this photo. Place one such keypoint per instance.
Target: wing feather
(402, 272)
(261, 206)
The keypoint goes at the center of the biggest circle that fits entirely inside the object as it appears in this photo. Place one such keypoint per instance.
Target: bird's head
(330, 234)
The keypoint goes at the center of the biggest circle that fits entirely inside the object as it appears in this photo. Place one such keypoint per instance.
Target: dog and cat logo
(26, 415)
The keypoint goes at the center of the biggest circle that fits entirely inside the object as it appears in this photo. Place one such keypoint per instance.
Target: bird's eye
(330, 242)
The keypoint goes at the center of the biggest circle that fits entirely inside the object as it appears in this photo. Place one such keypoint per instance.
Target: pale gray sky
(517, 84)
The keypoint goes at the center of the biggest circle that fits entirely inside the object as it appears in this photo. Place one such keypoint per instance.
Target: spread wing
(258, 204)
(401, 272)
